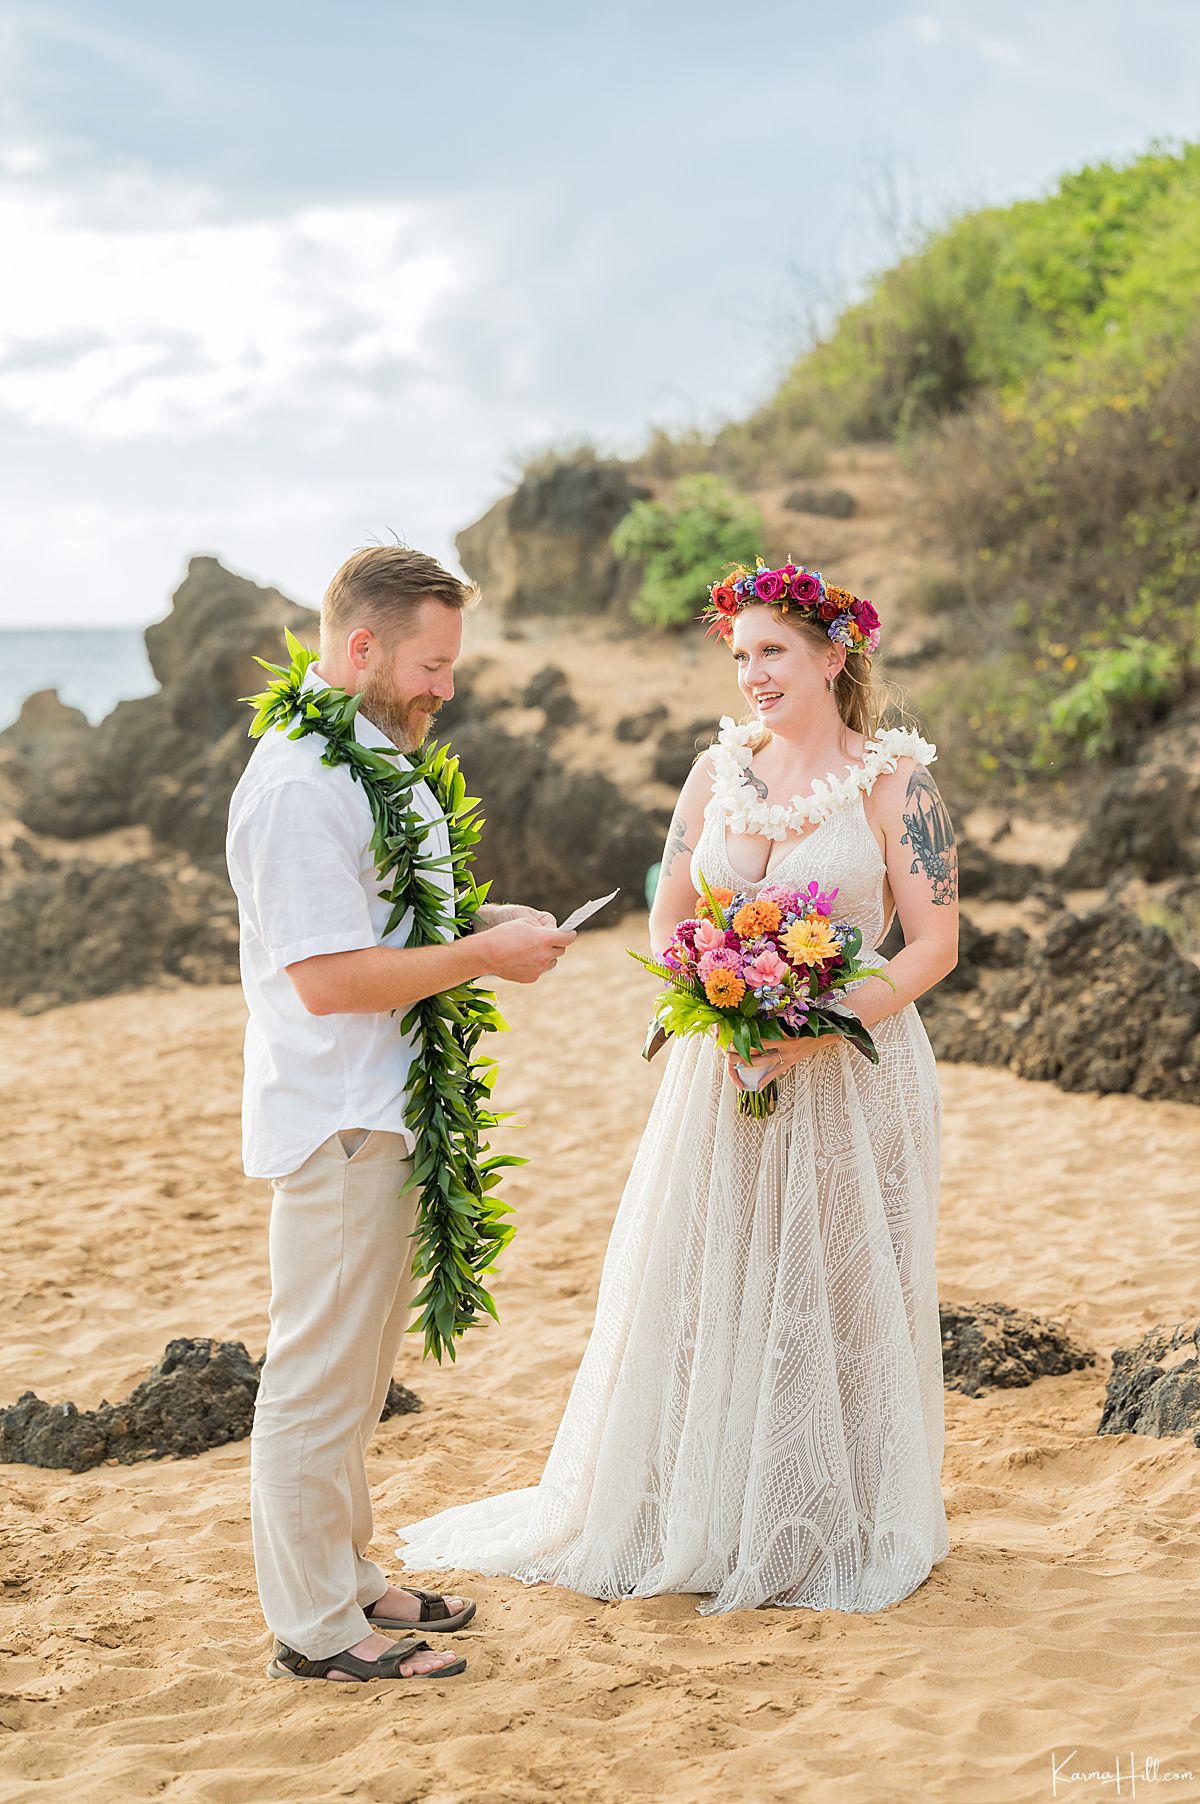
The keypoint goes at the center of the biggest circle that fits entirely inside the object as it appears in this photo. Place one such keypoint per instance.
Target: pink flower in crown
(766, 969)
(864, 613)
(806, 587)
(770, 585)
(872, 639)
(723, 958)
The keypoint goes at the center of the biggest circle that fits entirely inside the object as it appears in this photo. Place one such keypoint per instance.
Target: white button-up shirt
(298, 849)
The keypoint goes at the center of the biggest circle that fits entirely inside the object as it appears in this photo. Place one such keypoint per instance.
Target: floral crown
(848, 619)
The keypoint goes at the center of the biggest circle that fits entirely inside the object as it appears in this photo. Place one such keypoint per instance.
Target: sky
(282, 278)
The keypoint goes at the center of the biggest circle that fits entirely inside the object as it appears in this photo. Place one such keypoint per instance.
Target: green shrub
(684, 544)
(1122, 688)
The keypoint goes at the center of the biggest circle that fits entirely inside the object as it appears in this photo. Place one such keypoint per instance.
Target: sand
(133, 1654)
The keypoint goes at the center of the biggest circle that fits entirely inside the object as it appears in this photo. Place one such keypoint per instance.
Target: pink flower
(873, 638)
(765, 970)
(806, 588)
(722, 959)
(770, 585)
(708, 936)
(816, 899)
(864, 613)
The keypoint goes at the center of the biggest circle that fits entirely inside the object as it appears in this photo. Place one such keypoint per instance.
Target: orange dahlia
(704, 913)
(755, 918)
(724, 989)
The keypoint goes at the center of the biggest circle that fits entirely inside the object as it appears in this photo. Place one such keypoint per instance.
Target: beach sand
(132, 1653)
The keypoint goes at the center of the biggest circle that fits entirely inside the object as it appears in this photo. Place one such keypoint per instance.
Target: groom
(326, 1076)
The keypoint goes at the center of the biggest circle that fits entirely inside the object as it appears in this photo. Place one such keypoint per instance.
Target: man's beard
(406, 723)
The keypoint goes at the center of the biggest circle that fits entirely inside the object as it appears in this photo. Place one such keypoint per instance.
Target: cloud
(925, 28)
(139, 311)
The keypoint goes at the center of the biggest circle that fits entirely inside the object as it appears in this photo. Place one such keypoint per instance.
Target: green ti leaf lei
(460, 1226)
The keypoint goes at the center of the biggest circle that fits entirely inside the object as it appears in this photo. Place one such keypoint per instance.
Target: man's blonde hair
(382, 587)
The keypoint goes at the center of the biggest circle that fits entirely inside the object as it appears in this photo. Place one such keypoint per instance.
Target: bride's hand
(776, 1057)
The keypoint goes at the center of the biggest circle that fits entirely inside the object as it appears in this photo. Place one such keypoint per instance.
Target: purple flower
(840, 632)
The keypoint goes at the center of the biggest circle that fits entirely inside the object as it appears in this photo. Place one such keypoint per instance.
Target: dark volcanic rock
(200, 1394)
(677, 751)
(1103, 1003)
(170, 760)
(550, 691)
(1146, 821)
(72, 929)
(545, 548)
(554, 836)
(1155, 1384)
(632, 729)
(837, 504)
(989, 1346)
(981, 873)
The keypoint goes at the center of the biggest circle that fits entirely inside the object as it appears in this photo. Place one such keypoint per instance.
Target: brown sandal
(435, 1613)
(288, 1664)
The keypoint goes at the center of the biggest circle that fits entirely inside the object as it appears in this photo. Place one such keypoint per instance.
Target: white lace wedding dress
(758, 1416)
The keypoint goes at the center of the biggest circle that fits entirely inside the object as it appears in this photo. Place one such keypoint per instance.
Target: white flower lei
(746, 811)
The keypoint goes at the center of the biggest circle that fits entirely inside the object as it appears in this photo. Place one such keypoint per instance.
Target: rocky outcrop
(545, 549)
(1145, 821)
(677, 751)
(1102, 1003)
(836, 504)
(169, 760)
(200, 1394)
(1155, 1384)
(72, 929)
(990, 1346)
(555, 836)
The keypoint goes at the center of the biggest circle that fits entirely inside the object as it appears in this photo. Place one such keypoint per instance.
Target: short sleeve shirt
(298, 850)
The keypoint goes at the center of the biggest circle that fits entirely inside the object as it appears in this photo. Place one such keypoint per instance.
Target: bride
(758, 1417)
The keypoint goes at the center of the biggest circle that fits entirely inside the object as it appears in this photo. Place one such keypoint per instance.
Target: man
(326, 1072)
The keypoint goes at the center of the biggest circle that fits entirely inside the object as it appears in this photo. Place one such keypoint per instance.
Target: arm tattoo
(757, 785)
(676, 843)
(930, 836)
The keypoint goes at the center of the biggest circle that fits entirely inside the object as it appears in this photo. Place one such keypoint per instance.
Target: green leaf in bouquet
(718, 913)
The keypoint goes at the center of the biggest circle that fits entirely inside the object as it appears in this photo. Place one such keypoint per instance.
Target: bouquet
(761, 968)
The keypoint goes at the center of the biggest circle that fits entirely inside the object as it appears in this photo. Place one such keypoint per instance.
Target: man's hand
(521, 951)
(496, 914)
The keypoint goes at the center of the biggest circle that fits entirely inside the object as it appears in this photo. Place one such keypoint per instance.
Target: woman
(758, 1416)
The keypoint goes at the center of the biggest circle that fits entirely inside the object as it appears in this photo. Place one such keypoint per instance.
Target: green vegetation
(1106, 265)
(1039, 364)
(682, 545)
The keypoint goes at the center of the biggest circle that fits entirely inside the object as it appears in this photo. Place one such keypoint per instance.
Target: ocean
(93, 668)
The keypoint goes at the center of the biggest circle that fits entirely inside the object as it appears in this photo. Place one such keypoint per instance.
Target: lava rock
(632, 729)
(1103, 1003)
(554, 835)
(982, 874)
(837, 504)
(1146, 819)
(73, 929)
(200, 1394)
(990, 1346)
(1155, 1384)
(545, 549)
(677, 751)
(550, 691)
(170, 760)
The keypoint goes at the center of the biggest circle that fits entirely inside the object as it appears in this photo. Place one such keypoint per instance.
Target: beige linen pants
(340, 1254)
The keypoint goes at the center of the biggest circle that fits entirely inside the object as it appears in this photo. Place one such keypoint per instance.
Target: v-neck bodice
(840, 850)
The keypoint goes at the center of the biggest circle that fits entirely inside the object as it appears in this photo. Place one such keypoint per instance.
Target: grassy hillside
(1039, 367)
